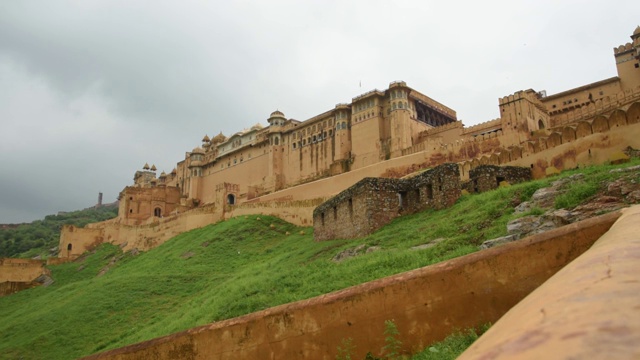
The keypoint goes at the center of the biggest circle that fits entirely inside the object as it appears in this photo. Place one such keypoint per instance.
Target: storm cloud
(91, 90)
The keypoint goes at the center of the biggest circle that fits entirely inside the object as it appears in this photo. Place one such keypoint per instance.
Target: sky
(90, 91)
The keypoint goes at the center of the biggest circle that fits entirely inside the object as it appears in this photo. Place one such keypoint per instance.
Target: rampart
(74, 241)
(19, 274)
(374, 202)
(426, 304)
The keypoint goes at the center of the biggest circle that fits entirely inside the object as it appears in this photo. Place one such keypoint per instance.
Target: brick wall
(488, 177)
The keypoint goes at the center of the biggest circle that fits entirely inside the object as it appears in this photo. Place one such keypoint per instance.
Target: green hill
(40, 236)
(108, 299)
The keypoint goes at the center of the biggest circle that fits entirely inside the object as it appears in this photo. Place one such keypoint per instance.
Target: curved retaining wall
(426, 305)
(596, 317)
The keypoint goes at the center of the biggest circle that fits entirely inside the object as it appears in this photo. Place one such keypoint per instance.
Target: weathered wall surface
(21, 270)
(426, 305)
(74, 241)
(488, 177)
(298, 212)
(374, 202)
(19, 274)
(588, 310)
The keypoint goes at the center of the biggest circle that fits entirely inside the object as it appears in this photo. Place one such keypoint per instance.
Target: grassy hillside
(229, 269)
(38, 237)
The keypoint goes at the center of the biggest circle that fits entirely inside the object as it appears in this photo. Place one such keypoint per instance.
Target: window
(294, 145)
(69, 247)
(322, 218)
(157, 212)
(231, 199)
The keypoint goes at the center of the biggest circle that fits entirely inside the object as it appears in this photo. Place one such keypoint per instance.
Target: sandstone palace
(286, 167)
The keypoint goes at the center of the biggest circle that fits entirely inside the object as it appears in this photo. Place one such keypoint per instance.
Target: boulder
(497, 241)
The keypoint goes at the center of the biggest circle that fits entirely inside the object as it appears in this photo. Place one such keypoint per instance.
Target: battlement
(528, 94)
(486, 126)
(442, 128)
(623, 49)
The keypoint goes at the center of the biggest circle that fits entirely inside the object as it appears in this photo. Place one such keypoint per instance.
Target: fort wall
(19, 274)
(74, 241)
(20, 270)
(479, 288)
(297, 212)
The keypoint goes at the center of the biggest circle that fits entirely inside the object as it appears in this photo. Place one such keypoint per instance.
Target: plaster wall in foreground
(588, 310)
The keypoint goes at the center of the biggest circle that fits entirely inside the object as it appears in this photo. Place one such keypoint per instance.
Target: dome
(257, 126)
(153, 168)
(277, 113)
(636, 31)
(146, 166)
(219, 138)
(205, 139)
(174, 171)
(163, 174)
(197, 150)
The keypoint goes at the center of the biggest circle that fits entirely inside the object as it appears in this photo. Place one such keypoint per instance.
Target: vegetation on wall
(41, 236)
(108, 299)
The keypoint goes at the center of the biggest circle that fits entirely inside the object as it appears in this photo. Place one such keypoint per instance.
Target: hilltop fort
(287, 167)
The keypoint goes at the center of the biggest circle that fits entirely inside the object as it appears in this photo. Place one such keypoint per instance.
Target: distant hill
(40, 237)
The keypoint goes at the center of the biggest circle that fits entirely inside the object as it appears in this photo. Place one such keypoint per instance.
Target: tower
(628, 62)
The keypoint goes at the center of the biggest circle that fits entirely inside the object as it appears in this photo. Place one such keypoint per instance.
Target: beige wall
(21, 270)
(75, 241)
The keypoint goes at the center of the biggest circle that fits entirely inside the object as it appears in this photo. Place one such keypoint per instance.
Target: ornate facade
(377, 126)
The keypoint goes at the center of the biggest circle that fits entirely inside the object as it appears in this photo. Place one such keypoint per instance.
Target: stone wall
(19, 274)
(74, 241)
(426, 305)
(488, 177)
(374, 202)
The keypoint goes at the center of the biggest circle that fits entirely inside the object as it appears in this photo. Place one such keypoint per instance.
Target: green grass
(451, 347)
(245, 266)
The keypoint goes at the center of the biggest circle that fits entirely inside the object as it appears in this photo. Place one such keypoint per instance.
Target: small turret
(276, 118)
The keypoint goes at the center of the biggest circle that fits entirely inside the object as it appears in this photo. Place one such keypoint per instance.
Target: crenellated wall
(20, 274)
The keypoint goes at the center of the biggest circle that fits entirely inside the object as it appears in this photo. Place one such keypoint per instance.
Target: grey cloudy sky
(91, 90)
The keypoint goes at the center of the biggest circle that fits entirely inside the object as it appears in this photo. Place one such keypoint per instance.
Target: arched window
(231, 199)
(69, 247)
(277, 141)
(540, 124)
(157, 212)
